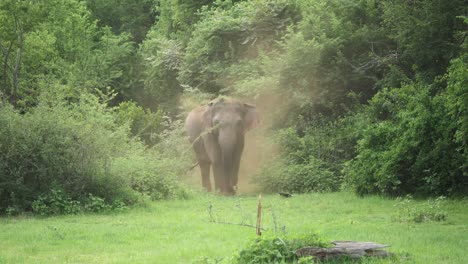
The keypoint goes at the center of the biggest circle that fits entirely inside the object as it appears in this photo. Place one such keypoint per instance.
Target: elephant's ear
(251, 118)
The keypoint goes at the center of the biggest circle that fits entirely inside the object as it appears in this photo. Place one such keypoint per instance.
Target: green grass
(181, 231)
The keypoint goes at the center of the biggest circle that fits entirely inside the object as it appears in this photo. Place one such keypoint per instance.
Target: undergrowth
(273, 249)
(408, 211)
(278, 249)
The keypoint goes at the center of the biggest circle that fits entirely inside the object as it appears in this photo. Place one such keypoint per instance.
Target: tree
(45, 43)
(125, 16)
(162, 51)
(426, 34)
(16, 18)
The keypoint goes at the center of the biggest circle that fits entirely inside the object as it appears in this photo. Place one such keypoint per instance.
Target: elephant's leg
(234, 177)
(205, 173)
(235, 172)
(218, 175)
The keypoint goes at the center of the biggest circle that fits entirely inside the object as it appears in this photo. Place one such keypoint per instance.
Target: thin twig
(213, 220)
(239, 224)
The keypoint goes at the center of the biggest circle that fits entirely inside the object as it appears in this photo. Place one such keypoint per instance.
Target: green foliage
(162, 50)
(323, 59)
(161, 60)
(58, 146)
(134, 17)
(95, 204)
(176, 19)
(197, 55)
(144, 124)
(277, 249)
(431, 210)
(309, 176)
(151, 174)
(79, 149)
(55, 202)
(326, 58)
(427, 32)
(154, 172)
(456, 101)
(311, 162)
(226, 34)
(57, 42)
(410, 142)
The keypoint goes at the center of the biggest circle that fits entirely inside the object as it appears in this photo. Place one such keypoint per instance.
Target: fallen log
(350, 249)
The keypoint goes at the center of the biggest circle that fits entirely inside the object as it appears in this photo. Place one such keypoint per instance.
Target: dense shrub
(80, 150)
(309, 176)
(55, 202)
(48, 148)
(151, 174)
(411, 142)
(456, 101)
(144, 123)
(311, 162)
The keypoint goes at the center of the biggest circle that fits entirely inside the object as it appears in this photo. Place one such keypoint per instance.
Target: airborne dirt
(259, 146)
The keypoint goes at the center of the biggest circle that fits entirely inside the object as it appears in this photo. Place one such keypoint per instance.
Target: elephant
(217, 132)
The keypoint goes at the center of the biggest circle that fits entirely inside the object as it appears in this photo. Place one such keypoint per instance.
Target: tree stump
(351, 249)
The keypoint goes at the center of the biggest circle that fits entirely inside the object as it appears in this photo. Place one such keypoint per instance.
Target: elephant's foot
(230, 191)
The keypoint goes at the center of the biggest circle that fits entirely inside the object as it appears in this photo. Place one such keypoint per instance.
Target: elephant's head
(227, 120)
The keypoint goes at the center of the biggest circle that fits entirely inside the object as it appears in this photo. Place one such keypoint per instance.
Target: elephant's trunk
(228, 143)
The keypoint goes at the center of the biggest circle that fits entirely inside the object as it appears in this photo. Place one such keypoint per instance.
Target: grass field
(181, 231)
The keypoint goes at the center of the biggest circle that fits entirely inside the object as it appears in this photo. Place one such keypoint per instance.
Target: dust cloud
(259, 147)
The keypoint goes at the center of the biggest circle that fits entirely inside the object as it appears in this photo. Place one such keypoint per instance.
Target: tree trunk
(17, 68)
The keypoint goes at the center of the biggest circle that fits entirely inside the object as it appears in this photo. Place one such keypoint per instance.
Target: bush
(311, 162)
(151, 174)
(278, 250)
(456, 101)
(408, 211)
(144, 123)
(60, 155)
(309, 176)
(410, 143)
(57, 147)
(55, 202)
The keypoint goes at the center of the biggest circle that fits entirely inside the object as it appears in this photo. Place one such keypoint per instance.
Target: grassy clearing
(181, 232)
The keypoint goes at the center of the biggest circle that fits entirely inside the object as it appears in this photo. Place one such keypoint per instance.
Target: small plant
(96, 204)
(277, 249)
(55, 202)
(408, 211)
(306, 260)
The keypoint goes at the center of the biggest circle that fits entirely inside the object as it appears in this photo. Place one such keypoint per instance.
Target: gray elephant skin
(217, 132)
